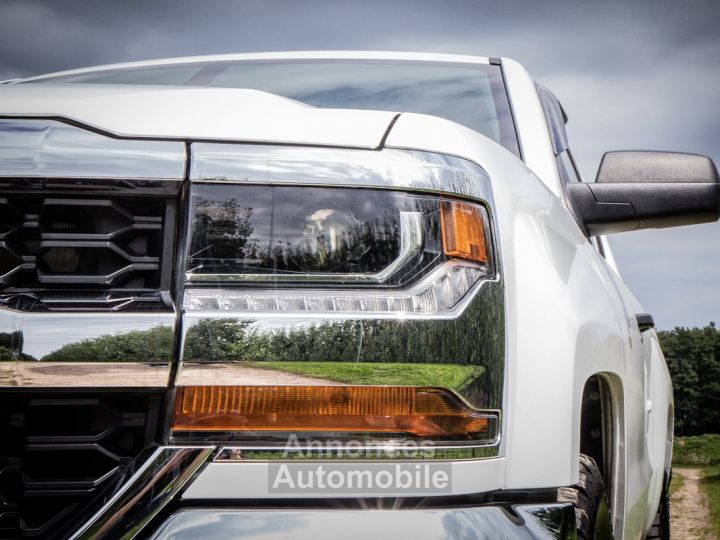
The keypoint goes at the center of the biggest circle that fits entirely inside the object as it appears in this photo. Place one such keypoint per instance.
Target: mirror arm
(607, 208)
(598, 217)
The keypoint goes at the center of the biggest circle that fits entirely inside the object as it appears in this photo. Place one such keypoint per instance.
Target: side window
(566, 167)
(598, 245)
(556, 119)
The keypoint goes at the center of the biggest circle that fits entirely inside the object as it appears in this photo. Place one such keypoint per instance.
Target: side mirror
(643, 190)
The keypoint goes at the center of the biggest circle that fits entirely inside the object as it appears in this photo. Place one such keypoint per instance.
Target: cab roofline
(282, 55)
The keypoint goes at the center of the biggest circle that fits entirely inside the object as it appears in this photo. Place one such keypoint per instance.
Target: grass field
(703, 452)
(446, 375)
(700, 451)
(711, 484)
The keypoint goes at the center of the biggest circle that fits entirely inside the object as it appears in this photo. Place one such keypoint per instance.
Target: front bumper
(106, 344)
(521, 521)
(151, 504)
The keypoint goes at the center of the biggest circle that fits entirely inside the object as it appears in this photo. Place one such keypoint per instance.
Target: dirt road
(689, 511)
(135, 374)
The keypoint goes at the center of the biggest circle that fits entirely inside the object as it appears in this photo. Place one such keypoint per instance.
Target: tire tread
(585, 496)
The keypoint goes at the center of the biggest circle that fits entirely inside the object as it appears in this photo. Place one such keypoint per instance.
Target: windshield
(469, 94)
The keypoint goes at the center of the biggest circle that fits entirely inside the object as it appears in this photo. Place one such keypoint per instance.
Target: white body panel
(530, 124)
(251, 481)
(198, 113)
(569, 317)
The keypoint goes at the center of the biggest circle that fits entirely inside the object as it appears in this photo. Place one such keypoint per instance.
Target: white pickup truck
(310, 295)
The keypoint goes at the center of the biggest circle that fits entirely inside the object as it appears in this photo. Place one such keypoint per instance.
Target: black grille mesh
(60, 454)
(71, 243)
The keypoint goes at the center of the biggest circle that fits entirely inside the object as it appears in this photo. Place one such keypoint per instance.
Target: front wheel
(588, 496)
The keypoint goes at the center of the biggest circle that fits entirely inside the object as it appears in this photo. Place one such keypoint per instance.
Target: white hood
(196, 113)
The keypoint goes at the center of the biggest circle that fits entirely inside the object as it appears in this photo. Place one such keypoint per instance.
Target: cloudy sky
(633, 74)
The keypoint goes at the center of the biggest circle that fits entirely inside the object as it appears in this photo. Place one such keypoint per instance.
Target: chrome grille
(72, 243)
(64, 251)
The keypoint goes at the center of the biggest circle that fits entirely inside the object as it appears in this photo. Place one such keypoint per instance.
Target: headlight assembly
(340, 295)
(332, 249)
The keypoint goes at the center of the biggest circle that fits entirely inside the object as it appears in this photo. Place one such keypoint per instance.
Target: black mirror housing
(642, 190)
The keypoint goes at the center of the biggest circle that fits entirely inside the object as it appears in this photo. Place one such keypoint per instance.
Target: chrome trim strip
(147, 492)
(313, 166)
(50, 148)
(411, 244)
(338, 450)
(464, 353)
(92, 349)
(83, 375)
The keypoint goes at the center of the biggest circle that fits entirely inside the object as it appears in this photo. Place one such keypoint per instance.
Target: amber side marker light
(419, 411)
(463, 231)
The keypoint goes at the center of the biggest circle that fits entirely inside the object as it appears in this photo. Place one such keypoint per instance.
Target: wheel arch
(601, 428)
(669, 440)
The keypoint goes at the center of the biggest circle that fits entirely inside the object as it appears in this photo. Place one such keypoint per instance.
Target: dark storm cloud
(616, 36)
(632, 74)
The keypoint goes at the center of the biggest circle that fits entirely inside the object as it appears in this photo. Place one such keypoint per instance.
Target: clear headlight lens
(329, 236)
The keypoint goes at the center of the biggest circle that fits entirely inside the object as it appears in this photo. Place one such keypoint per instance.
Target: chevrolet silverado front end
(227, 313)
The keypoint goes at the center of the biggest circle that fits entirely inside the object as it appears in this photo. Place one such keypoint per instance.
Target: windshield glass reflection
(470, 94)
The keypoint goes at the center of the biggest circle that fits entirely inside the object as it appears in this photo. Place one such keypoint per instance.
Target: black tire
(588, 496)
(660, 529)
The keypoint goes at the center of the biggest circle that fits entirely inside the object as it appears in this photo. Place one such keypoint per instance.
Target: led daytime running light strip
(438, 294)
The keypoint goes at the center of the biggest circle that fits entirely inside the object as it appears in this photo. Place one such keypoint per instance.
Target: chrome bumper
(145, 494)
(553, 521)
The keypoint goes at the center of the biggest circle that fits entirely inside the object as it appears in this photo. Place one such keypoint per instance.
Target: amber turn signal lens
(420, 411)
(463, 231)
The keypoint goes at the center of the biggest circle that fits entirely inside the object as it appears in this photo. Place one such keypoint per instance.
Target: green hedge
(699, 451)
